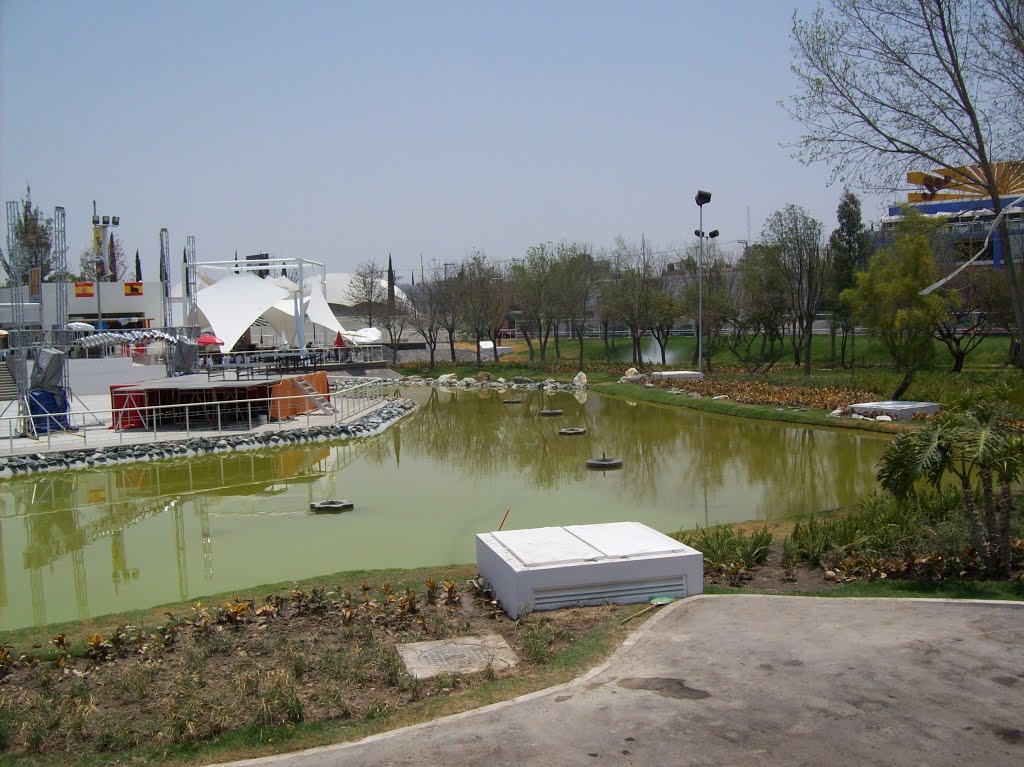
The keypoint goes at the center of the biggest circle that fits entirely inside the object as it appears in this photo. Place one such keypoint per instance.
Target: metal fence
(141, 424)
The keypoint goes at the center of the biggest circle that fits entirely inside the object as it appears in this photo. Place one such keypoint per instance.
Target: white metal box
(547, 568)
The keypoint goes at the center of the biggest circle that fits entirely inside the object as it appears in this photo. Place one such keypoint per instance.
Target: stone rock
(580, 381)
(721, 396)
(522, 380)
(631, 373)
(447, 378)
(838, 412)
(883, 417)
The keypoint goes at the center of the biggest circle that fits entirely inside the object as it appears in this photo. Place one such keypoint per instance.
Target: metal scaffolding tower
(165, 277)
(17, 361)
(190, 280)
(61, 335)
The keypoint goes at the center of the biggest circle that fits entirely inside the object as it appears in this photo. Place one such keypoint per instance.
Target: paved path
(755, 680)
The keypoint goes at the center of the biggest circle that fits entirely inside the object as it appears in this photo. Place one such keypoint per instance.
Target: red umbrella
(208, 339)
(339, 342)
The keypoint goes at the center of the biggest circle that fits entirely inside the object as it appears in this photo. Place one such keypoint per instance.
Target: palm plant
(973, 446)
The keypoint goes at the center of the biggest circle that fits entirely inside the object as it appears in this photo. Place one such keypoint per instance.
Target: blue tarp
(49, 411)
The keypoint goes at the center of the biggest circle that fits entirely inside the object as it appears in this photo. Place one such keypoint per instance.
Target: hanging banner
(133, 288)
(35, 288)
(83, 290)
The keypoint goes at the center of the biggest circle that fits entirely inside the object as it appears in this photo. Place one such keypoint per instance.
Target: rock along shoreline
(115, 455)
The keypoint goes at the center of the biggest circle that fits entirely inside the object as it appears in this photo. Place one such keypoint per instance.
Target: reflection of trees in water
(794, 469)
(64, 513)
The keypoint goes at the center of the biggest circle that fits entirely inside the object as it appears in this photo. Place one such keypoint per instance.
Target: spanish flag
(133, 288)
(83, 290)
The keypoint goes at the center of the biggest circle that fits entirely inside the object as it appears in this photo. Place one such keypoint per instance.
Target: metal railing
(138, 424)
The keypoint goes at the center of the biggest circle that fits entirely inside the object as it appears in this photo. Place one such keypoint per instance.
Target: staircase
(8, 386)
(323, 404)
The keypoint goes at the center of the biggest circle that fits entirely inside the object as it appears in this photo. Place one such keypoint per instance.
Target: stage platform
(196, 400)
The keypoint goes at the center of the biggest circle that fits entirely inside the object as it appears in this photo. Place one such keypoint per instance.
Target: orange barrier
(281, 408)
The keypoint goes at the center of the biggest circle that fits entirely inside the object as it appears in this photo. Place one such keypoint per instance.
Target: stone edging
(367, 426)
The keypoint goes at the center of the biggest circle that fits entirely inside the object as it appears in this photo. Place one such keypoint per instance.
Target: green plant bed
(899, 590)
(761, 412)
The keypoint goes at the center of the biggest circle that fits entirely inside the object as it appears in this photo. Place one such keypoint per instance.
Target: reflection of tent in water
(64, 515)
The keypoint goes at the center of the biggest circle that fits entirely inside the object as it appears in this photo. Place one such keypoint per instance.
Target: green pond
(89, 543)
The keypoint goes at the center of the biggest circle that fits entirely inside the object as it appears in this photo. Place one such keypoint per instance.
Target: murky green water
(93, 542)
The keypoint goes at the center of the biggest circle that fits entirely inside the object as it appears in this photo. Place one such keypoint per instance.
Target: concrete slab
(462, 655)
(677, 375)
(899, 411)
(774, 681)
(548, 568)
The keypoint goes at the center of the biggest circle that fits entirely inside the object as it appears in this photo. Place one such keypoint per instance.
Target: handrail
(193, 418)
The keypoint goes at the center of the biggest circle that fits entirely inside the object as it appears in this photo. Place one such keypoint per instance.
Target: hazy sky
(342, 131)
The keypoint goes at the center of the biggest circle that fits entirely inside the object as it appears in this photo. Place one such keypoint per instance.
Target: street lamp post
(103, 223)
(702, 199)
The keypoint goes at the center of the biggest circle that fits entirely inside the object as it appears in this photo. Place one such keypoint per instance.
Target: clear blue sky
(343, 131)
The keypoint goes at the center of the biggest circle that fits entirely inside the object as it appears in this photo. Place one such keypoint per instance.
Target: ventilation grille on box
(599, 593)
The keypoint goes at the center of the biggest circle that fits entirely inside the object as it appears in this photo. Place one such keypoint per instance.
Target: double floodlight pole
(702, 199)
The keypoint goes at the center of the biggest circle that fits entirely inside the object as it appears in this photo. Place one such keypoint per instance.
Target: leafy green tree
(981, 451)
(888, 86)
(758, 314)
(849, 249)
(804, 266)
(33, 242)
(887, 297)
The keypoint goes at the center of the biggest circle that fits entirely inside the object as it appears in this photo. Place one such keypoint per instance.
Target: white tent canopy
(233, 303)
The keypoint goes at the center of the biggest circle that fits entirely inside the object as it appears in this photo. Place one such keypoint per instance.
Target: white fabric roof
(233, 303)
(319, 312)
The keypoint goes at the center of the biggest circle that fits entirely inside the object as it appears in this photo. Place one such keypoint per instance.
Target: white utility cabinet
(547, 568)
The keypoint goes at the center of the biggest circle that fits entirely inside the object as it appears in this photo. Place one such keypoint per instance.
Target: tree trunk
(832, 332)
(529, 343)
(977, 531)
(1011, 278)
(991, 517)
(807, 351)
(558, 349)
(451, 345)
(432, 347)
(958, 358)
(604, 332)
(581, 351)
(479, 362)
(1005, 514)
(908, 376)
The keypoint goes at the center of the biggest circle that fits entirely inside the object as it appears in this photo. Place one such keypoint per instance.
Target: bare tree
(530, 282)
(367, 290)
(485, 301)
(803, 264)
(578, 290)
(888, 86)
(758, 314)
(424, 312)
(450, 289)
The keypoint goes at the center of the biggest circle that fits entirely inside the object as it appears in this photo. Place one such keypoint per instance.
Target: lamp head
(106, 220)
(115, 220)
(702, 198)
(713, 233)
(698, 233)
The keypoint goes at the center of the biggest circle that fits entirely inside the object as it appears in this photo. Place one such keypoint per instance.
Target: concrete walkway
(756, 680)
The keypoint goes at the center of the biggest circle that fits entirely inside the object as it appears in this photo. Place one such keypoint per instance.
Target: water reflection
(181, 529)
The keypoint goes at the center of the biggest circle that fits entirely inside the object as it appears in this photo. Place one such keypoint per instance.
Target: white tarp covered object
(319, 312)
(232, 304)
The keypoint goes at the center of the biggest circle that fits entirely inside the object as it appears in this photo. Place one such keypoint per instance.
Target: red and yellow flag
(133, 288)
(83, 290)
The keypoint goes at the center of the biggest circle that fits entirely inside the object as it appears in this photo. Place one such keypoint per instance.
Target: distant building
(958, 199)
